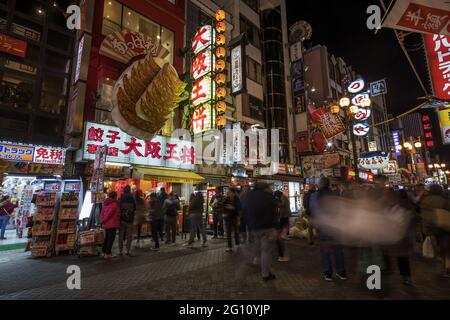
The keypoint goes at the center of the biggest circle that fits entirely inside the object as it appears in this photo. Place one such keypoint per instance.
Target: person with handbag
(430, 203)
(6, 211)
(127, 212)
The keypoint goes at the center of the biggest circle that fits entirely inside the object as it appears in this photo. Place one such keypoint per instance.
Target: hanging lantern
(221, 79)
(221, 121)
(220, 15)
(366, 103)
(221, 92)
(354, 109)
(221, 40)
(335, 109)
(221, 106)
(221, 27)
(220, 65)
(221, 52)
(344, 102)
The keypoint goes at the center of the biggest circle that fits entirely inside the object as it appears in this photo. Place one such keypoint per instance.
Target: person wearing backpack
(170, 209)
(127, 211)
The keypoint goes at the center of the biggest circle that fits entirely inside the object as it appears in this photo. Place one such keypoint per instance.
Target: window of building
(46, 126)
(254, 70)
(52, 102)
(253, 107)
(16, 89)
(252, 32)
(118, 17)
(253, 4)
(57, 61)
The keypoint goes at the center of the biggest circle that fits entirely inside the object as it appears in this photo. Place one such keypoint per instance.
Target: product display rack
(67, 222)
(43, 224)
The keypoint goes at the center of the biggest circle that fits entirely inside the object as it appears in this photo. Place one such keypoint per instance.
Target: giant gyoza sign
(209, 80)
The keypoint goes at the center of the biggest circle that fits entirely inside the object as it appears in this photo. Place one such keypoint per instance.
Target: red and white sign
(365, 175)
(438, 51)
(203, 38)
(202, 64)
(124, 45)
(202, 90)
(358, 99)
(13, 46)
(425, 16)
(123, 148)
(49, 155)
(363, 114)
(361, 129)
(202, 119)
(330, 124)
(356, 86)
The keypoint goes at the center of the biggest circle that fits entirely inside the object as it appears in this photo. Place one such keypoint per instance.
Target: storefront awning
(168, 175)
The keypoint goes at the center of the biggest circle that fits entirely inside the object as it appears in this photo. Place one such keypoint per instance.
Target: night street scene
(224, 155)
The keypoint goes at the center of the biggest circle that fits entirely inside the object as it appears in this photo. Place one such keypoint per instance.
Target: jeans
(196, 223)
(110, 235)
(3, 223)
(171, 229)
(232, 226)
(326, 250)
(218, 225)
(157, 226)
(264, 246)
(125, 228)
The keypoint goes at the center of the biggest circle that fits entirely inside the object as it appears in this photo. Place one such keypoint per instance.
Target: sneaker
(269, 277)
(341, 275)
(283, 259)
(229, 250)
(328, 277)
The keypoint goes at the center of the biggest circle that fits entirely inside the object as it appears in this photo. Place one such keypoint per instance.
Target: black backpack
(127, 212)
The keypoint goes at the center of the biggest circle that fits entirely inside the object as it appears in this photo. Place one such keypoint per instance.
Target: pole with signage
(98, 175)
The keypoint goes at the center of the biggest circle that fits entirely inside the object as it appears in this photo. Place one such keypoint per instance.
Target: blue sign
(397, 144)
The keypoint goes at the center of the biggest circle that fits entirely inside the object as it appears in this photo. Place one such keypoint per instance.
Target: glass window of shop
(253, 34)
(118, 17)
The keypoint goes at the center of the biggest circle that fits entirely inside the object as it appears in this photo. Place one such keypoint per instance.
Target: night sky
(341, 27)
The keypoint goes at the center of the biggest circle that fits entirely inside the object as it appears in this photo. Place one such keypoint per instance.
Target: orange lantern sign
(221, 106)
(220, 15)
(221, 39)
(221, 79)
(220, 65)
(221, 92)
(221, 27)
(221, 52)
(221, 121)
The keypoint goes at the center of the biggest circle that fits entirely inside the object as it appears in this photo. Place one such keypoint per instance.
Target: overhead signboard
(444, 121)
(123, 148)
(13, 46)
(31, 153)
(378, 88)
(438, 53)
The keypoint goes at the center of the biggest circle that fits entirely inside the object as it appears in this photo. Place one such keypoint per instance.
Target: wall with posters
(327, 165)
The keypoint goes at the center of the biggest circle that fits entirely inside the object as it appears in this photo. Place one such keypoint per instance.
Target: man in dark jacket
(127, 211)
(306, 204)
(217, 203)
(328, 247)
(196, 217)
(261, 214)
(170, 208)
(232, 207)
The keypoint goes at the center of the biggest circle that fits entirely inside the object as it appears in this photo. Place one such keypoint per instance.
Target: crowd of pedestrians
(381, 223)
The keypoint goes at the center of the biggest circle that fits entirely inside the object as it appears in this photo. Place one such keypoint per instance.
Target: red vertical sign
(438, 52)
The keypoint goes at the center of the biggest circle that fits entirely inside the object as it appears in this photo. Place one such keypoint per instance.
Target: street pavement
(177, 272)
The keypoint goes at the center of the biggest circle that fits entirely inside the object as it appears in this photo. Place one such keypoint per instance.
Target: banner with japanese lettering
(438, 52)
(29, 153)
(330, 124)
(13, 46)
(123, 148)
(424, 16)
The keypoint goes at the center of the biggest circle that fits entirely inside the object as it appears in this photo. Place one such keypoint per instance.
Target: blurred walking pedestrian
(307, 207)
(196, 209)
(110, 217)
(127, 212)
(156, 220)
(245, 234)
(141, 215)
(231, 211)
(170, 209)
(260, 207)
(284, 212)
(328, 246)
(217, 205)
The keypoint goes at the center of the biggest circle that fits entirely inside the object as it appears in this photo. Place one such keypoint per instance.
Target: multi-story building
(35, 71)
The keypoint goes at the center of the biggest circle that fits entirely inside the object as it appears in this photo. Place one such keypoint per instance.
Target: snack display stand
(67, 222)
(43, 222)
(90, 242)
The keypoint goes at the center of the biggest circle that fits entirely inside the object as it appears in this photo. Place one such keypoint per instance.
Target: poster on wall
(315, 166)
(438, 53)
(303, 141)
